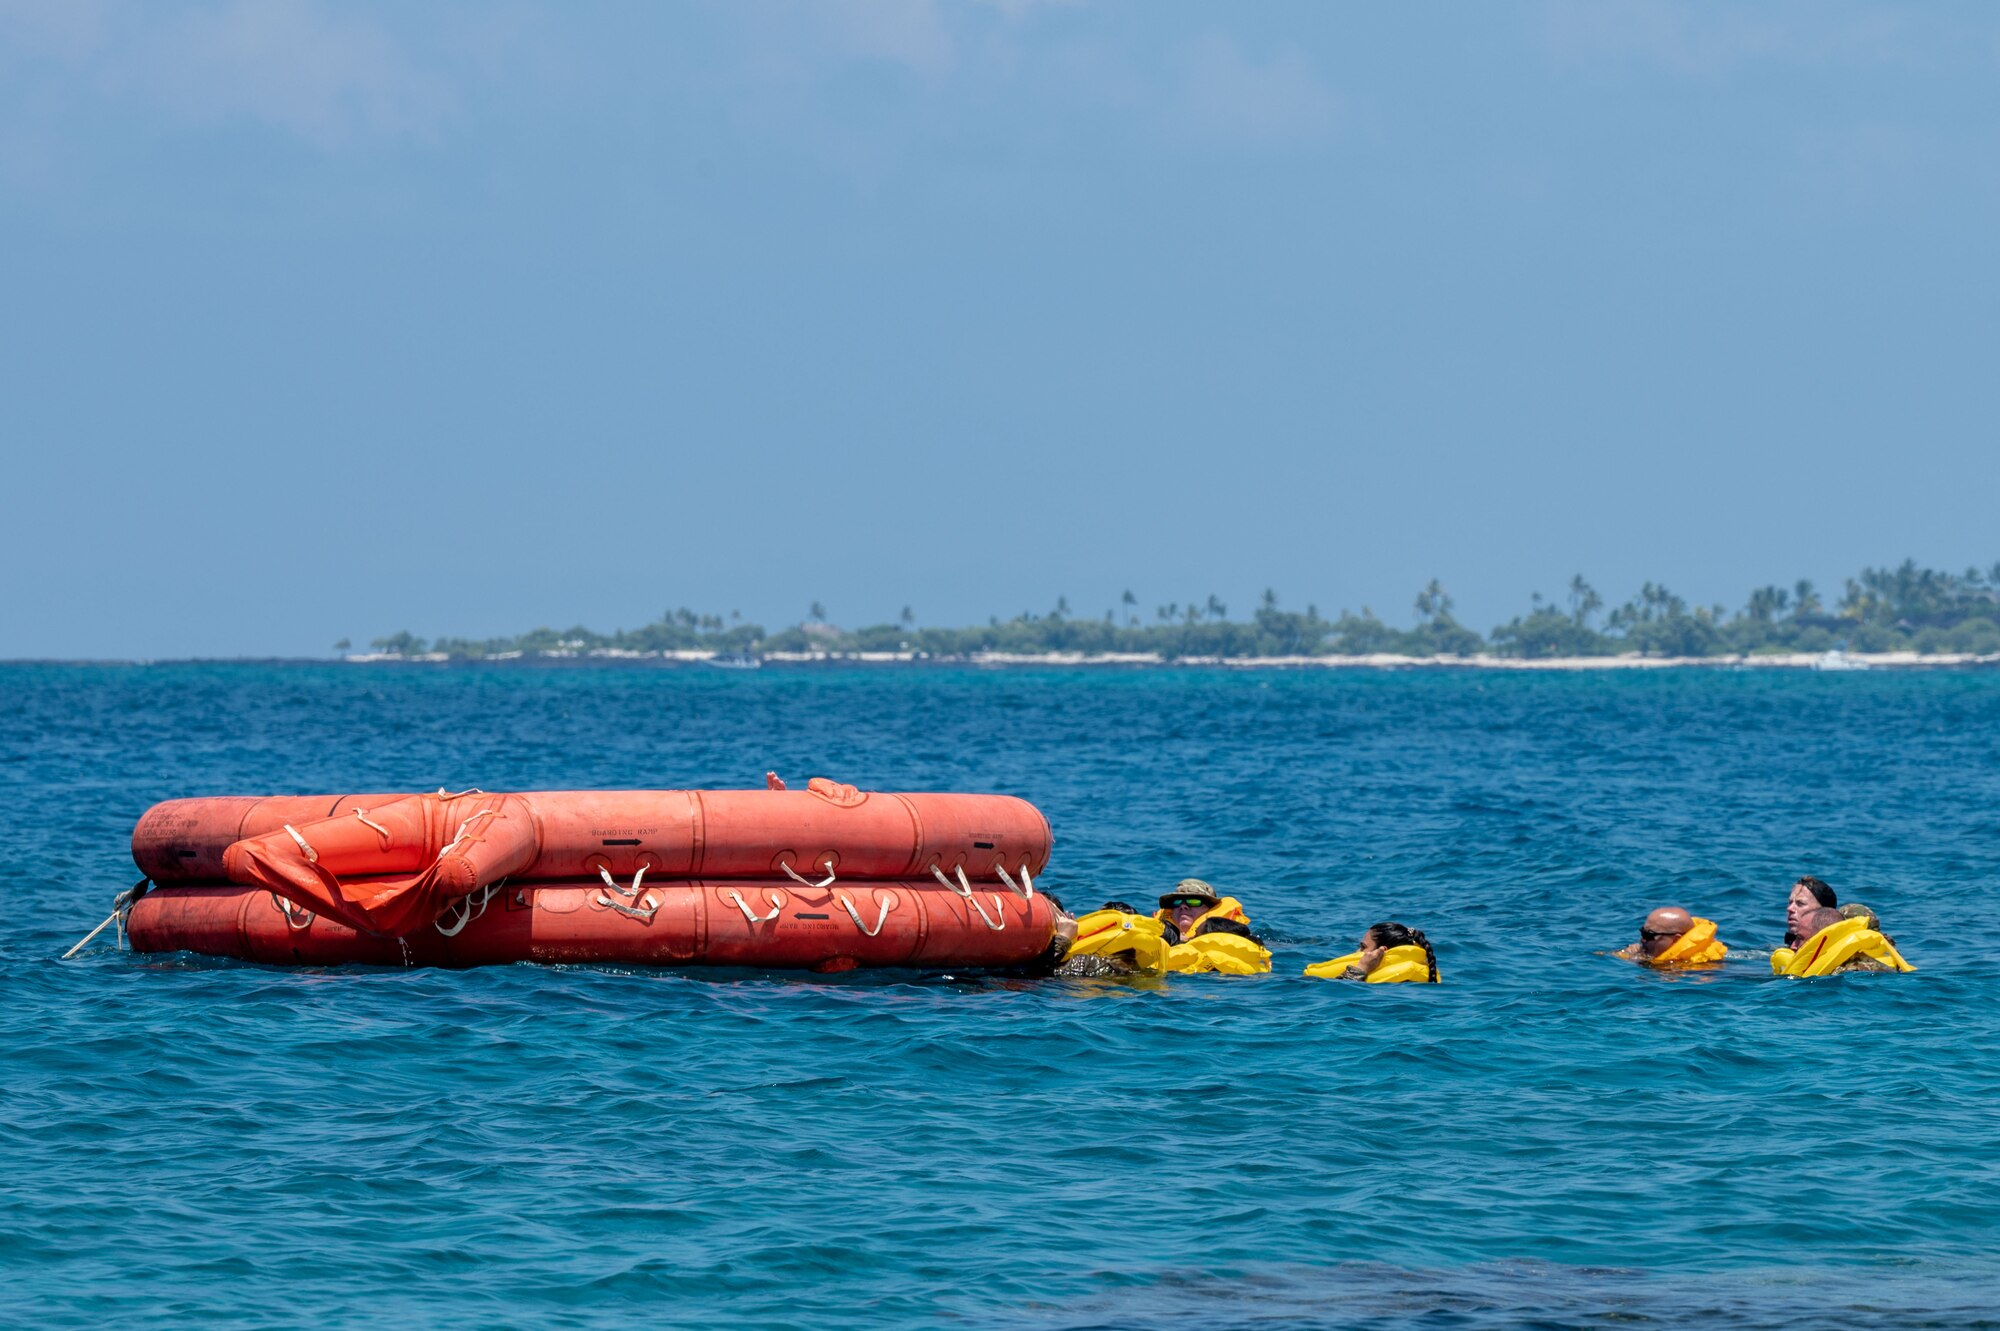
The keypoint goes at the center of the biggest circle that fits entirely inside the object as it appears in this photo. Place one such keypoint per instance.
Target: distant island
(1902, 611)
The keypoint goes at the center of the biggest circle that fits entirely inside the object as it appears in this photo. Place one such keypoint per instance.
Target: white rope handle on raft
(312, 856)
(651, 907)
(777, 905)
(380, 830)
(792, 874)
(468, 909)
(963, 888)
(1026, 887)
(627, 892)
(444, 794)
(855, 915)
(453, 843)
(296, 916)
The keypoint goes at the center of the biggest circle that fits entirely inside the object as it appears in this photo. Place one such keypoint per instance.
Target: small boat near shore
(1837, 660)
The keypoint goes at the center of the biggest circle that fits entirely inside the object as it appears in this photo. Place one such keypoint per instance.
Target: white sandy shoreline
(1839, 661)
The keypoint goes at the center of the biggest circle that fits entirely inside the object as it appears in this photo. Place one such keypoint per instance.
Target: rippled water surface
(1549, 1137)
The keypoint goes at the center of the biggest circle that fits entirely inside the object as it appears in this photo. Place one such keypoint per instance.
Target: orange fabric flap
(433, 849)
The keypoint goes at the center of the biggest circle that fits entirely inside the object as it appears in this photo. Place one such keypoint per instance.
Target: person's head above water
(1379, 938)
(1816, 919)
(1809, 893)
(1189, 901)
(1662, 928)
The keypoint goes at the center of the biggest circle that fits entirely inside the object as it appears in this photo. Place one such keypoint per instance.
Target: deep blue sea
(1550, 1137)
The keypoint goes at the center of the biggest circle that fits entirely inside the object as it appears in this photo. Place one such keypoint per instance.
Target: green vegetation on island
(1900, 609)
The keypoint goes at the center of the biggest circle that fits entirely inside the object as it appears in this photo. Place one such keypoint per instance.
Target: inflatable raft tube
(667, 833)
(768, 924)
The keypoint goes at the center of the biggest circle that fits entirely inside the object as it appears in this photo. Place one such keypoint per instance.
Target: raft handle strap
(777, 905)
(453, 843)
(1026, 887)
(467, 908)
(793, 874)
(963, 888)
(444, 794)
(627, 892)
(296, 916)
(855, 915)
(651, 907)
(312, 856)
(380, 830)
(121, 906)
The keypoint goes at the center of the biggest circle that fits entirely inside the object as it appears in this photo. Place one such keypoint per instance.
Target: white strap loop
(296, 916)
(645, 911)
(991, 923)
(963, 888)
(792, 874)
(454, 843)
(750, 918)
(855, 915)
(444, 794)
(468, 909)
(1026, 887)
(380, 830)
(312, 856)
(627, 892)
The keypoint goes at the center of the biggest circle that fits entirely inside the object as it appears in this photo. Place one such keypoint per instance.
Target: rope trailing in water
(121, 906)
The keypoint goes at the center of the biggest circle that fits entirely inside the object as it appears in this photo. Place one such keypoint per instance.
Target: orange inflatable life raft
(827, 876)
(764, 924)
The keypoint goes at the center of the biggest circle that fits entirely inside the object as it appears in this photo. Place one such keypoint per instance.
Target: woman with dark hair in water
(1808, 894)
(1388, 951)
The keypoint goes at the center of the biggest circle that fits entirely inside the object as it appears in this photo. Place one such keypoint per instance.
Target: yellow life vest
(1110, 933)
(1696, 947)
(1399, 965)
(1834, 946)
(1221, 954)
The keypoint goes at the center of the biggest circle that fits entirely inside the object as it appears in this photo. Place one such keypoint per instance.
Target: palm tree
(1583, 600)
(907, 618)
(1434, 602)
(817, 614)
(1216, 609)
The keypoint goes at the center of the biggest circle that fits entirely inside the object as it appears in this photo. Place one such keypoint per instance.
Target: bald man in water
(1662, 929)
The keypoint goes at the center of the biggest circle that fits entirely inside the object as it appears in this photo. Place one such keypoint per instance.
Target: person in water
(1376, 943)
(1194, 908)
(1808, 894)
(1123, 941)
(1671, 936)
(1825, 917)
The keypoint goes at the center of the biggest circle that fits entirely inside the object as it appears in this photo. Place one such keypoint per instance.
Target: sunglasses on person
(1175, 903)
(1656, 933)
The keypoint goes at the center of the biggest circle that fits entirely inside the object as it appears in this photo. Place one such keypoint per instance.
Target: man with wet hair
(1807, 894)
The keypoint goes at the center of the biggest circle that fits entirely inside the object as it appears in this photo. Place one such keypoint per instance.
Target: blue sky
(324, 321)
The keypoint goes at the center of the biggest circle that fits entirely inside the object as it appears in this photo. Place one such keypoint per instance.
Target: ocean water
(1549, 1138)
